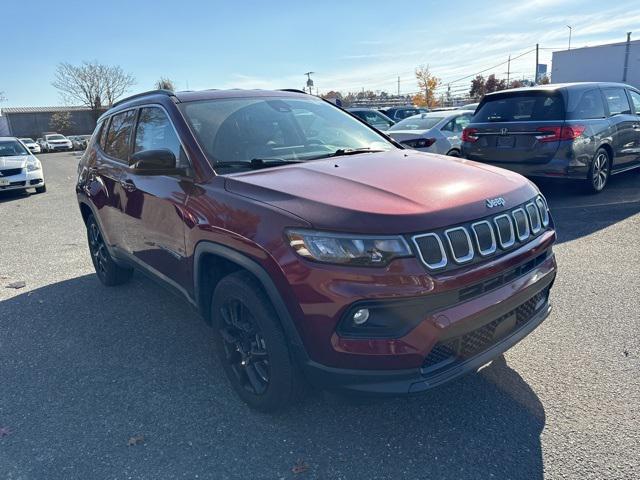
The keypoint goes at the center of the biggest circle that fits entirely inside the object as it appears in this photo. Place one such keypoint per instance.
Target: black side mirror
(154, 162)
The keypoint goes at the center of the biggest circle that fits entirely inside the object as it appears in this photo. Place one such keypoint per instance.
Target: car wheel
(453, 153)
(599, 172)
(41, 189)
(108, 271)
(252, 346)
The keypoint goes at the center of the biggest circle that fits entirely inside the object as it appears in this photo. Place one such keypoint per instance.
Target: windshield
(530, 106)
(239, 130)
(55, 137)
(10, 148)
(417, 122)
(27, 140)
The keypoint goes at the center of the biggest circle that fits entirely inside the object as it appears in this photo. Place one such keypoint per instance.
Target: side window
(617, 101)
(449, 126)
(590, 105)
(635, 99)
(118, 135)
(461, 122)
(155, 132)
(103, 133)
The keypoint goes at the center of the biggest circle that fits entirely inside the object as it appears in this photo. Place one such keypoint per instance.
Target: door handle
(128, 185)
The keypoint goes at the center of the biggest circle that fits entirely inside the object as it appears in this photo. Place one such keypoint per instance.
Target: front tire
(41, 189)
(453, 153)
(599, 172)
(108, 271)
(252, 346)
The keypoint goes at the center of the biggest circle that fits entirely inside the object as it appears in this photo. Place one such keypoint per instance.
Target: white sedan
(19, 168)
(434, 132)
(31, 145)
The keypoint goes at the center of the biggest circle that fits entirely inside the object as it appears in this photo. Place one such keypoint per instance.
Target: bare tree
(2, 97)
(92, 84)
(165, 84)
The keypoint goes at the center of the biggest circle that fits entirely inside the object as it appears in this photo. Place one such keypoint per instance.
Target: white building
(615, 62)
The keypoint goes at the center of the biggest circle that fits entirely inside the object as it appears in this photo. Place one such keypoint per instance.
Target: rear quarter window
(521, 107)
(585, 105)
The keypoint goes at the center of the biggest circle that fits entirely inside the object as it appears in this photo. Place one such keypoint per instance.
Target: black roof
(191, 96)
(551, 87)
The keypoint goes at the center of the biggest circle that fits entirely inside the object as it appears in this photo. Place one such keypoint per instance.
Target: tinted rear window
(585, 104)
(521, 107)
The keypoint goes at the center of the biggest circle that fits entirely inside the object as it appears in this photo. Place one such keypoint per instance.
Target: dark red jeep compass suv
(320, 251)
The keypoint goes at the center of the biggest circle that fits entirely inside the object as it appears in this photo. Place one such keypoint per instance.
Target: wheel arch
(213, 261)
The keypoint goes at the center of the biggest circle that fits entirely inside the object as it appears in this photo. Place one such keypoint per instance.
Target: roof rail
(144, 94)
(293, 90)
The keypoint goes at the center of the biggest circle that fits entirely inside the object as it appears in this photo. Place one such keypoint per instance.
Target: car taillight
(557, 133)
(469, 135)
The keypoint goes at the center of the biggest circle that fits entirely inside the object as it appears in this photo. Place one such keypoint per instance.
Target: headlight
(35, 165)
(346, 249)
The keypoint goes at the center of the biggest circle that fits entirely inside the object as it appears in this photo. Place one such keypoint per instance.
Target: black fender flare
(253, 267)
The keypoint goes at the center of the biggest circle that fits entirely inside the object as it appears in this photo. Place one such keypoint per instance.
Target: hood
(400, 191)
(14, 161)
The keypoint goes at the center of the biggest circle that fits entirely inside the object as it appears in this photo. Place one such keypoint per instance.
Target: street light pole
(570, 29)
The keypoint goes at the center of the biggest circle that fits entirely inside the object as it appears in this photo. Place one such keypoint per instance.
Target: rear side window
(155, 132)
(617, 101)
(119, 135)
(635, 99)
(521, 107)
(587, 105)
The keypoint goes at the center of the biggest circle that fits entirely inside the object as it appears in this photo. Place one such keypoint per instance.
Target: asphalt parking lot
(84, 368)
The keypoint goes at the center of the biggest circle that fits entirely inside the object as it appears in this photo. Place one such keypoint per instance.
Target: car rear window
(521, 107)
(418, 122)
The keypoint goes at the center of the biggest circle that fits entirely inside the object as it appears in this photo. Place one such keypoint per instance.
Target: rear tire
(252, 346)
(453, 153)
(108, 271)
(599, 172)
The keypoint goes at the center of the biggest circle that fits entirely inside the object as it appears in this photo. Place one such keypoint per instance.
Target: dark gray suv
(585, 131)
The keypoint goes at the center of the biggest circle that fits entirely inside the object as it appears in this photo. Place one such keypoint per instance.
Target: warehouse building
(614, 62)
(33, 121)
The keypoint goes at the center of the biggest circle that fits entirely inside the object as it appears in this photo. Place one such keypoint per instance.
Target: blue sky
(259, 44)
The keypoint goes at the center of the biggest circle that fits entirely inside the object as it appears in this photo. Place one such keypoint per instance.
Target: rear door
(508, 127)
(107, 174)
(625, 147)
(153, 213)
(635, 103)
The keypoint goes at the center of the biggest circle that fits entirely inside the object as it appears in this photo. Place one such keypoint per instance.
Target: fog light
(361, 316)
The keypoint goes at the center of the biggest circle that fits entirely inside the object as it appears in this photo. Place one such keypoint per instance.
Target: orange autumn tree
(427, 83)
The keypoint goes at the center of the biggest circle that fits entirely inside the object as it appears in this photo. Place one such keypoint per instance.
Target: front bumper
(448, 342)
(60, 148)
(23, 180)
(34, 149)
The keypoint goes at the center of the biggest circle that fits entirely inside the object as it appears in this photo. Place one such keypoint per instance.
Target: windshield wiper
(257, 163)
(342, 152)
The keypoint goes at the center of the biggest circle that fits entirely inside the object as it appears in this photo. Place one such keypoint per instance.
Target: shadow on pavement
(84, 368)
(578, 214)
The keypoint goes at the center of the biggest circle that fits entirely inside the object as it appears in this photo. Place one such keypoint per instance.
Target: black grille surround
(461, 245)
(10, 172)
(473, 343)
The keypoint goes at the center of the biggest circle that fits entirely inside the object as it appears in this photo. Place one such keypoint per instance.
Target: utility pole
(626, 58)
(309, 82)
(508, 70)
(398, 85)
(570, 29)
(536, 76)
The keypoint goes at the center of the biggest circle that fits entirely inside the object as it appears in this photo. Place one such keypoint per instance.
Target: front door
(153, 224)
(625, 146)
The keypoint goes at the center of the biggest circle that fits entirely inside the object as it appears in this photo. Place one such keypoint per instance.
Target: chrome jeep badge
(495, 202)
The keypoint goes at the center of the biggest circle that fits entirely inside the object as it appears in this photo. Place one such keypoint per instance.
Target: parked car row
(19, 168)
(585, 131)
